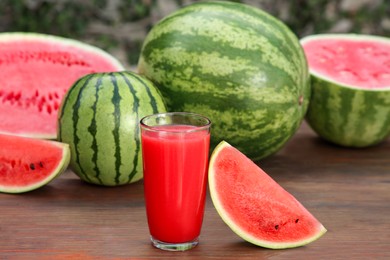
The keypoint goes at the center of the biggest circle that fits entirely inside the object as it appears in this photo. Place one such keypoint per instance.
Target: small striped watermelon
(99, 119)
(235, 64)
(350, 104)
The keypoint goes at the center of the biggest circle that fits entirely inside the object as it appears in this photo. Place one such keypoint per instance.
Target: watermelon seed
(10, 96)
(296, 221)
(276, 227)
(56, 106)
(41, 164)
(48, 108)
(18, 96)
(32, 166)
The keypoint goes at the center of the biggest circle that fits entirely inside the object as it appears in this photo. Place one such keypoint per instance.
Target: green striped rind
(348, 116)
(236, 64)
(99, 119)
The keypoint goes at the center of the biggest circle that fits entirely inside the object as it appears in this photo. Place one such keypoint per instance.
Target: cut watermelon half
(27, 163)
(350, 80)
(36, 70)
(254, 206)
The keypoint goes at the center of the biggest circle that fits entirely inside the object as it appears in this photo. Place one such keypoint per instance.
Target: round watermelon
(350, 103)
(36, 70)
(99, 119)
(237, 65)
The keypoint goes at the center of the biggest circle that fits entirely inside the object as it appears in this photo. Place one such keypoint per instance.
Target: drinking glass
(175, 150)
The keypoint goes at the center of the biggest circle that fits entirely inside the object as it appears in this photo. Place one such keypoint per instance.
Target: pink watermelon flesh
(256, 207)
(35, 73)
(27, 163)
(362, 62)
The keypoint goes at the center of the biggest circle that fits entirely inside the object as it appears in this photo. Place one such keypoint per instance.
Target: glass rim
(195, 129)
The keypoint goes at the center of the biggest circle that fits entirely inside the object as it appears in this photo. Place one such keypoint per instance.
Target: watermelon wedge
(254, 206)
(36, 70)
(27, 163)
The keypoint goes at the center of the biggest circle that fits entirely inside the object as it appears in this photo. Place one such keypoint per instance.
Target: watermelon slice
(35, 72)
(254, 206)
(27, 163)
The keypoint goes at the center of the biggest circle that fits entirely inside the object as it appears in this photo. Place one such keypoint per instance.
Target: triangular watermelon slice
(27, 164)
(254, 206)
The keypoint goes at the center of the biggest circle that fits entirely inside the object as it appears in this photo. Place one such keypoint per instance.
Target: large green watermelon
(235, 64)
(99, 119)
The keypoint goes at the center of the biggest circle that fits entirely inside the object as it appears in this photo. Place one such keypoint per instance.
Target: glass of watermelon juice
(175, 150)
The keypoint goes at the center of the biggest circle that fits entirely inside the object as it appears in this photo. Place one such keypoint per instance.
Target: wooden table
(348, 190)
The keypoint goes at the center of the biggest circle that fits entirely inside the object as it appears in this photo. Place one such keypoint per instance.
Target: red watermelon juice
(175, 160)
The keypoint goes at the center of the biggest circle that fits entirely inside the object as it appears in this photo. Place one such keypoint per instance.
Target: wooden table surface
(348, 190)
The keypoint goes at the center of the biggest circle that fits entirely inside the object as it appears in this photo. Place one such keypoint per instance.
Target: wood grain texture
(348, 190)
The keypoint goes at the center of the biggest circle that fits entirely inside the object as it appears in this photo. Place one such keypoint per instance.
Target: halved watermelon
(254, 206)
(350, 75)
(27, 164)
(35, 72)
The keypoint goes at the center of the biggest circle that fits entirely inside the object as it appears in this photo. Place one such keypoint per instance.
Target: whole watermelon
(237, 65)
(99, 119)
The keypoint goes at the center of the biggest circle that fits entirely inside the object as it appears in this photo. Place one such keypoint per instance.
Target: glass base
(174, 246)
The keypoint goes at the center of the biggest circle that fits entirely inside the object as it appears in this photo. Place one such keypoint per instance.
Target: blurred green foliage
(47, 17)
